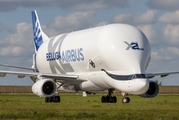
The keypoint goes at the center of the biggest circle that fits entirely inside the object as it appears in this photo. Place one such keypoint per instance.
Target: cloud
(174, 51)
(23, 37)
(150, 32)
(171, 33)
(164, 58)
(102, 23)
(147, 17)
(156, 56)
(166, 54)
(170, 17)
(20, 44)
(124, 18)
(10, 5)
(144, 21)
(6, 28)
(161, 61)
(163, 4)
(18, 48)
(73, 21)
(12, 51)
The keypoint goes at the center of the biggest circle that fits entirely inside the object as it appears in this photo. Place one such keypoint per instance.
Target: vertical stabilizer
(39, 35)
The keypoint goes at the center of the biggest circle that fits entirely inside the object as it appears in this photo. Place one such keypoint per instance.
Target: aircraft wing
(164, 74)
(62, 78)
(20, 67)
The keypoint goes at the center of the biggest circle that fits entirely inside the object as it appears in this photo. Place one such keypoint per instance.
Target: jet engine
(44, 88)
(152, 91)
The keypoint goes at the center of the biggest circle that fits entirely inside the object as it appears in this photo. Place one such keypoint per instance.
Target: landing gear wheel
(109, 98)
(125, 100)
(114, 99)
(48, 99)
(52, 99)
(103, 99)
(56, 98)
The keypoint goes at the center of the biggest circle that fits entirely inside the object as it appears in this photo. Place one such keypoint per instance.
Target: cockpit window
(125, 77)
(140, 75)
(121, 77)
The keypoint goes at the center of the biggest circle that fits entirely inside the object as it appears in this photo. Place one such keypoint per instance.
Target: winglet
(39, 35)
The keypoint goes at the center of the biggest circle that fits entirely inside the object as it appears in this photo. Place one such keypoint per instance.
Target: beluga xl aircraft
(109, 57)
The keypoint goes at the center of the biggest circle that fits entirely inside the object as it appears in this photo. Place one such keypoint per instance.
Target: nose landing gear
(125, 99)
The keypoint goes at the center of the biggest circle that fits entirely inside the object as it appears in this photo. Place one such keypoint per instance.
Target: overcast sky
(158, 19)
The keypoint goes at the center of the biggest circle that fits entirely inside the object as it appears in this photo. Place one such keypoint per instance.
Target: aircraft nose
(135, 86)
(142, 85)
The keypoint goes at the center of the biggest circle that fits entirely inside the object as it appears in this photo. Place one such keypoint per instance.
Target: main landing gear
(55, 99)
(109, 98)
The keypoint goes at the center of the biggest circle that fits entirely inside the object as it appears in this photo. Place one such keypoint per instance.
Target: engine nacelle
(44, 88)
(152, 91)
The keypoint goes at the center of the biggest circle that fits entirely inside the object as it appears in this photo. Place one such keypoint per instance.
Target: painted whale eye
(91, 63)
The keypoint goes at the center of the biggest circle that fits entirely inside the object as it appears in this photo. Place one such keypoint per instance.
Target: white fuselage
(119, 49)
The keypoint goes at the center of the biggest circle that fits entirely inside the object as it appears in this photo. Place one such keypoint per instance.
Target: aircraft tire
(48, 99)
(114, 99)
(103, 99)
(125, 100)
(57, 98)
(107, 99)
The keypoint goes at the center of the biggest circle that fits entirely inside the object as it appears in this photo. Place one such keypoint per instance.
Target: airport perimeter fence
(27, 89)
(15, 89)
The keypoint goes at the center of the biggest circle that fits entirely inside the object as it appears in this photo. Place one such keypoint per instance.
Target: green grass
(76, 107)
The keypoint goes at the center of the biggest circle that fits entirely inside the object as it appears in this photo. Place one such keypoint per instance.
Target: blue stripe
(38, 40)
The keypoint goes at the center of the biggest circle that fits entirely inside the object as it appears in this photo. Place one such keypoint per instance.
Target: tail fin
(39, 35)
